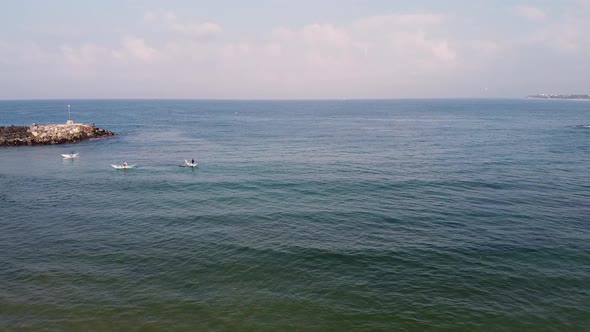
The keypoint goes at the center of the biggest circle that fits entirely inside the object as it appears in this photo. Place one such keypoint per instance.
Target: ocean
(336, 215)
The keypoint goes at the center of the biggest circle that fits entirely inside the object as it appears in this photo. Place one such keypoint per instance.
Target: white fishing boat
(189, 164)
(123, 166)
(69, 155)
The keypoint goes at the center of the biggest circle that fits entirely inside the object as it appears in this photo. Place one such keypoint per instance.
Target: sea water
(302, 215)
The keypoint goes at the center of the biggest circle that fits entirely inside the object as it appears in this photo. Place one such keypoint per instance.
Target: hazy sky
(293, 48)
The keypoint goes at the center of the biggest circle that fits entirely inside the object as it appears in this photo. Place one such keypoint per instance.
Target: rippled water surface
(302, 215)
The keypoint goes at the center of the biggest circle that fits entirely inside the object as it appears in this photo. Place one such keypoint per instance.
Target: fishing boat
(123, 166)
(189, 164)
(69, 155)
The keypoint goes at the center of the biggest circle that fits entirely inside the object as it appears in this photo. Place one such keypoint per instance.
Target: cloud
(371, 56)
(567, 33)
(89, 54)
(421, 19)
(85, 55)
(28, 53)
(170, 21)
(420, 54)
(198, 30)
(408, 37)
(136, 48)
(530, 12)
(399, 39)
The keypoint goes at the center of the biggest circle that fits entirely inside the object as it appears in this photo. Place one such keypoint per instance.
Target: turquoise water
(303, 215)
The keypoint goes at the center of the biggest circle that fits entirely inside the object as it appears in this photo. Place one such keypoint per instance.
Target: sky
(293, 49)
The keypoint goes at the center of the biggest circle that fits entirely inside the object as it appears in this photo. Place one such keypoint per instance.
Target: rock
(50, 134)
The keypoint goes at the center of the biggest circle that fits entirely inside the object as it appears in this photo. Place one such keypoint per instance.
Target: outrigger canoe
(123, 166)
(189, 164)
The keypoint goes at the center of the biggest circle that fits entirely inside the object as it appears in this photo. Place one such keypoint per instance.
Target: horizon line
(260, 99)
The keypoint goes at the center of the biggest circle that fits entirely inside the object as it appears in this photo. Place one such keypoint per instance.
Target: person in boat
(193, 161)
(124, 164)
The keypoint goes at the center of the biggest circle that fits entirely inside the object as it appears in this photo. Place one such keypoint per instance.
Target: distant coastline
(560, 96)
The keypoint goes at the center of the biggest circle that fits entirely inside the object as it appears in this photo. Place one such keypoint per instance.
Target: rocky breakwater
(46, 134)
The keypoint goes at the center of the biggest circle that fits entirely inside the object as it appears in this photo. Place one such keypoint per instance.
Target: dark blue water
(302, 215)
